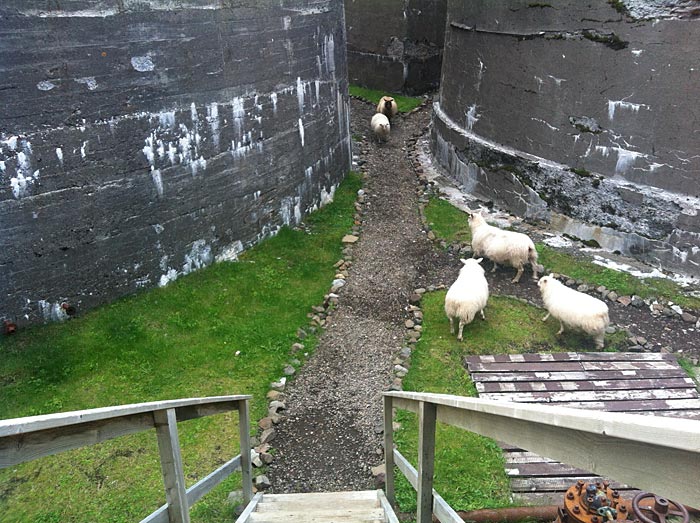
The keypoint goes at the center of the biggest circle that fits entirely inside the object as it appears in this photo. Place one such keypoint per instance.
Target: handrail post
(171, 464)
(427, 414)
(389, 450)
(246, 466)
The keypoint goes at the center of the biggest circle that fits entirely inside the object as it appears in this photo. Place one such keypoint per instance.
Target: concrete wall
(582, 114)
(142, 140)
(395, 45)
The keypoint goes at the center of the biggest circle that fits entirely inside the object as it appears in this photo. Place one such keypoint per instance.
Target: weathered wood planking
(647, 383)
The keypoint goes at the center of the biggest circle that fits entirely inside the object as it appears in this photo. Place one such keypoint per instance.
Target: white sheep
(380, 126)
(387, 106)
(467, 295)
(574, 309)
(506, 247)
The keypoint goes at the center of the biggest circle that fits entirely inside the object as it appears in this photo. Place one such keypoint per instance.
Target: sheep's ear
(463, 261)
(479, 260)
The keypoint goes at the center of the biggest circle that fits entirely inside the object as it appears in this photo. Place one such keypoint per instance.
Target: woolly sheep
(467, 295)
(506, 247)
(574, 309)
(380, 126)
(387, 106)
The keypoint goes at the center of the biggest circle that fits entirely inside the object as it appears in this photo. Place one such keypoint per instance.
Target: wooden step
(319, 516)
(329, 496)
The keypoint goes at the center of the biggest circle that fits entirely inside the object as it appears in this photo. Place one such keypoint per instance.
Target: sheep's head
(545, 281)
(475, 219)
(472, 264)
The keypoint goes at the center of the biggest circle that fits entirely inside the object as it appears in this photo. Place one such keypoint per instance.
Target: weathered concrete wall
(141, 140)
(582, 114)
(395, 45)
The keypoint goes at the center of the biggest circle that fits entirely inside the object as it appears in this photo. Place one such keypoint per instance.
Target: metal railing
(654, 453)
(26, 439)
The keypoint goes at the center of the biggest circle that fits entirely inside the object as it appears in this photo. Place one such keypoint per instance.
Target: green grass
(450, 224)
(404, 103)
(174, 342)
(469, 468)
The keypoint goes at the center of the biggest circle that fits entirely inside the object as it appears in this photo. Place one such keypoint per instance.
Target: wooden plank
(18, 448)
(676, 372)
(390, 515)
(9, 427)
(592, 395)
(561, 484)
(526, 457)
(244, 435)
(661, 455)
(427, 413)
(571, 356)
(250, 508)
(542, 386)
(544, 469)
(571, 366)
(389, 450)
(627, 365)
(685, 414)
(633, 406)
(171, 466)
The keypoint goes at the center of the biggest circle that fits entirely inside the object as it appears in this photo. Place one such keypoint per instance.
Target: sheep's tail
(532, 254)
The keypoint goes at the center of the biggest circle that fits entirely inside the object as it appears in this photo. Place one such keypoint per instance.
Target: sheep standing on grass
(380, 127)
(574, 309)
(506, 247)
(467, 295)
(387, 106)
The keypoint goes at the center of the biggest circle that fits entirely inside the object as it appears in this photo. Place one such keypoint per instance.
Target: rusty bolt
(579, 484)
(577, 509)
(616, 494)
(594, 519)
(10, 327)
(623, 508)
(606, 484)
(569, 495)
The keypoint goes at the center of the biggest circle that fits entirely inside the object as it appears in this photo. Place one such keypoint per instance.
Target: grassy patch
(450, 224)
(469, 468)
(405, 103)
(176, 342)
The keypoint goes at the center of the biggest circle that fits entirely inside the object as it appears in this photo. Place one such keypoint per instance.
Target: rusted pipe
(547, 513)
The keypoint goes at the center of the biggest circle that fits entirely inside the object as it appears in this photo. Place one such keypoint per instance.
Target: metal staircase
(367, 506)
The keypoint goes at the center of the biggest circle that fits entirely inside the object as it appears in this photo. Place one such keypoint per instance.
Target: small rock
(641, 340)
(583, 288)
(265, 423)
(349, 239)
(379, 469)
(570, 282)
(420, 290)
(677, 309)
(278, 385)
(268, 435)
(257, 461)
(431, 235)
(339, 263)
(262, 483)
(624, 300)
(409, 324)
(266, 458)
(636, 348)
(289, 370)
(277, 405)
(275, 395)
(379, 481)
(338, 283)
(613, 296)
(405, 352)
(235, 497)
(301, 334)
(414, 298)
(418, 328)
(637, 301)
(601, 289)
(296, 347)
(610, 329)
(688, 318)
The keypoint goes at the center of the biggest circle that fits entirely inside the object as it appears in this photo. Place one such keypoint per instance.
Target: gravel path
(331, 436)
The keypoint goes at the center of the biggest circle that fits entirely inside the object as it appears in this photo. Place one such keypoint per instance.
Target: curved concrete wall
(141, 140)
(581, 114)
(395, 45)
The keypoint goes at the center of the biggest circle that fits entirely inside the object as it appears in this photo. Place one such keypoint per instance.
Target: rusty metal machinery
(598, 503)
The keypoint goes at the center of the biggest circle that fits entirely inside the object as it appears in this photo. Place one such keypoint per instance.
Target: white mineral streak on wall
(142, 63)
(326, 196)
(613, 105)
(45, 85)
(59, 155)
(540, 120)
(286, 22)
(479, 75)
(52, 311)
(157, 181)
(329, 53)
(300, 94)
(199, 256)
(557, 81)
(152, 5)
(89, 81)
(273, 99)
(301, 131)
(231, 252)
(238, 113)
(472, 117)
(25, 176)
(83, 149)
(213, 120)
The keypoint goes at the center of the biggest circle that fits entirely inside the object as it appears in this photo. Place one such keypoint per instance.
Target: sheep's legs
(461, 327)
(600, 340)
(452, 325)
(547, 316)
(495, 266)
(534, 270)
(561, 328)
(518, 275)
(482, 314)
